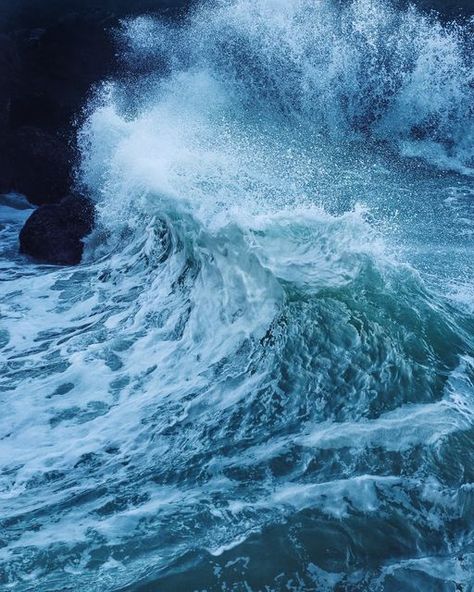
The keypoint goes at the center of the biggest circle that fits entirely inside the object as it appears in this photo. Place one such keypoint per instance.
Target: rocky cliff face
(51, 55)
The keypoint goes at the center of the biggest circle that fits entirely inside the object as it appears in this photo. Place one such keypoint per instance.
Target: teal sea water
(261, 378)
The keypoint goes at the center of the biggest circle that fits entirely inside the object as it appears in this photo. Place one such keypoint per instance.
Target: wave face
(262, 376)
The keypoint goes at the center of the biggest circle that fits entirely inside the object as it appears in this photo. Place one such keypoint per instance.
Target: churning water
(262, 375)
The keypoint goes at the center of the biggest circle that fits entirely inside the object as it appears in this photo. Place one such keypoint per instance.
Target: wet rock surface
(53, 233)
(51, 56)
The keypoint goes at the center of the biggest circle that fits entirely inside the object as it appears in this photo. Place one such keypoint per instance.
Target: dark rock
(448, 9)
(36, 163)
(45, 77)
(31, 14)
(61, 63)
(9, 72)
(53, 233)
(51, 56)
(33, 107)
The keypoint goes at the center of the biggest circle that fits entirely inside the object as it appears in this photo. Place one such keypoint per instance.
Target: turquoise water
(262, 375)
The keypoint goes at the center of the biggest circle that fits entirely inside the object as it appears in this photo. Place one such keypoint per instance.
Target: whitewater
(261, 376)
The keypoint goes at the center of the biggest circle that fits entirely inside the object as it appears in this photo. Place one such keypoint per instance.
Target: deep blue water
(261, 378)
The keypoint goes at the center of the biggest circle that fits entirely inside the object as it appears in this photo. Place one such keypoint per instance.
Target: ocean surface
(261, 377)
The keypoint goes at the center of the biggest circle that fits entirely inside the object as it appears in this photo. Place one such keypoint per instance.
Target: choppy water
(262, 376)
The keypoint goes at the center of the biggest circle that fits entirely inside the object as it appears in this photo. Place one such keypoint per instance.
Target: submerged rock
(53, 233)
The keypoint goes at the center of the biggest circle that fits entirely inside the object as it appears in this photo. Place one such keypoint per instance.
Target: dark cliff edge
(52, 52)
